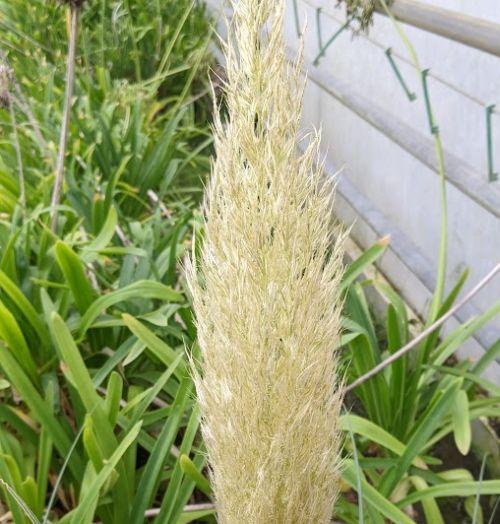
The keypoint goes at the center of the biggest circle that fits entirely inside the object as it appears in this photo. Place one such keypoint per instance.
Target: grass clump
(95, 407)
(267, 302)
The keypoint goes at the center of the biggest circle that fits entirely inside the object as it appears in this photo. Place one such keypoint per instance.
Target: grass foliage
(98, 416)
(96, 406)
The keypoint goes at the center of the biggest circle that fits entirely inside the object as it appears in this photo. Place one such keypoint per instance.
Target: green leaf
(24, 306)
(75, 366)
(112, 361)
(103, 238)
(396, 334)
(40, 410)
(356, 268)
(445, 306)
(399, 307)
(113, 397)
(141, 289)
(375, 433)
(91, 444)
(194, 516)
(429, 421)
(140, 403)
(453, 341)
(461, 424)
(475, 511)
(453, 489)
(94, 405)
(84, 511)
(491, 354)
(74, 273)
(373, 497)
(374, 393)
(159, 348)
(173, 500)
(117, 250)
(20, 502)
(146, 488)
(198, 478)
(11, 334)
(477, 409)
(431, 509)
(45, 448)
(488, 386)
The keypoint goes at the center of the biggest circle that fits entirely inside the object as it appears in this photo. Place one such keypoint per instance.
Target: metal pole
(468, 30)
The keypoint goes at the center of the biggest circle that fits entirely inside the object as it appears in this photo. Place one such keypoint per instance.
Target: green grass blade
(191, 471)
(356, 268)
(103, 238)
(24, 306)
(170, 507)
(74, 273)
(139, 289)
(187, 487)
(491, 354)
(113, 397)
(373, 497)
(79, 376)
(453, 489)
(148, 483)
(75, 366)
(430, 420)
(84, 510)
(194, 516)
(429, 504)
(461, 424)
(375, 433)
(159, 348)
(140, 403)
(12, 335)
(20, 502)
(40, 410)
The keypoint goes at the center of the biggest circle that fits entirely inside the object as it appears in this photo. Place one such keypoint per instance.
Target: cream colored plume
(266, 293)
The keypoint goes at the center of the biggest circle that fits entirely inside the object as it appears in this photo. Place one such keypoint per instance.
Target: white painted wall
(397, 184)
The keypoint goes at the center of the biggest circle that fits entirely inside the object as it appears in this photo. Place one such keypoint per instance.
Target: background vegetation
(98, 420)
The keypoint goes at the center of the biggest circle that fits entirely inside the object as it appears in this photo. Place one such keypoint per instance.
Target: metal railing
(468, 30)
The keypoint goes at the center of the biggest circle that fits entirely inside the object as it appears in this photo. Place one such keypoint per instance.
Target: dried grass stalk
(266, 294)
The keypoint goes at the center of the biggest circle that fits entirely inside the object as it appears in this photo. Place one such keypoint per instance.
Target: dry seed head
(73, 3)
(6, 77)
(360, 12)
(266, 293)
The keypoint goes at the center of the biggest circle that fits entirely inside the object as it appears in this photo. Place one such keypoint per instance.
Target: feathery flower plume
(266, 293)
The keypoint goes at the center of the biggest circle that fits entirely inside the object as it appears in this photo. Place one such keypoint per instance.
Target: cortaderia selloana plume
(266, 292)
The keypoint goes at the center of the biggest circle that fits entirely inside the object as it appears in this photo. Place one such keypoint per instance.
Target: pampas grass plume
(266, 293)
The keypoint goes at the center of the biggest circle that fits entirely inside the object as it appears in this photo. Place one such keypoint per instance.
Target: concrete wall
(388, 183)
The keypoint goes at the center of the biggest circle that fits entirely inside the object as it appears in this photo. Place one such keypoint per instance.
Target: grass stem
(19, 156)
(443, 243)
(70, 82)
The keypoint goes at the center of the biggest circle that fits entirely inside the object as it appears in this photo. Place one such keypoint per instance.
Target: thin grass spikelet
(266, 293)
